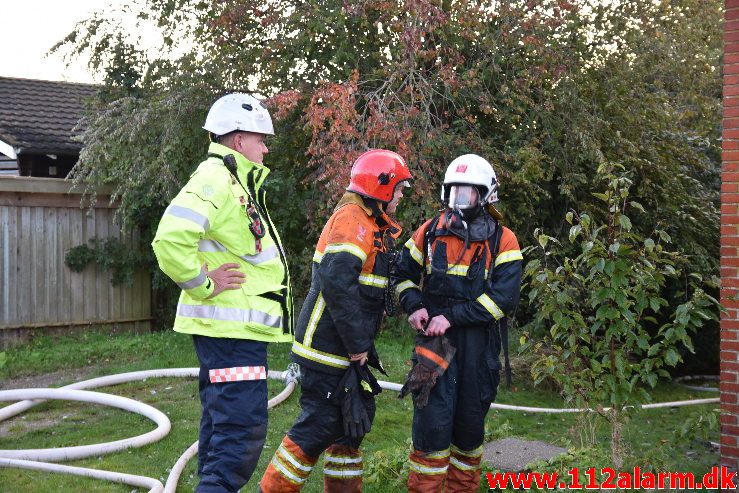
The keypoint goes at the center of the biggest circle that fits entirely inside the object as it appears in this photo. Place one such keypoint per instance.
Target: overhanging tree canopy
(546, 89)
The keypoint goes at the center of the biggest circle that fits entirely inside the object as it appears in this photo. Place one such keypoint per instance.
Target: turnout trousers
(448, 432)
(318, 428)
(233, 424)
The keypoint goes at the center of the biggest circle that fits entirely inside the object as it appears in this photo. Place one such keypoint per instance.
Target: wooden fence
(40, 220)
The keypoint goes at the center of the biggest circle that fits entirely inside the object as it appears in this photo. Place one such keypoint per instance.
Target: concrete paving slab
(513, 454)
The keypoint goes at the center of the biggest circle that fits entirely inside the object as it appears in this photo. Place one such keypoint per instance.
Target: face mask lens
(462, 196)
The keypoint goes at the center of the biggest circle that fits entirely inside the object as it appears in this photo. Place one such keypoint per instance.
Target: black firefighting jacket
(471, 273)
(350, 273)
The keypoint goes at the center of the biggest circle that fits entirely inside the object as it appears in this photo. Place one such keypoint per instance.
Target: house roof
(37, 116)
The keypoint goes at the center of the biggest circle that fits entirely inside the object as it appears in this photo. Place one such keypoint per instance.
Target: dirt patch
(21, 423)
(54, 379)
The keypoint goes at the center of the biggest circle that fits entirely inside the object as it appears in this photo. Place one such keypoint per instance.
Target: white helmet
(241, 112)
(469, 169)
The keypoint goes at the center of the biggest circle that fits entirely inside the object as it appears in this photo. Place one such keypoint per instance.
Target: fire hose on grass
(43, 459)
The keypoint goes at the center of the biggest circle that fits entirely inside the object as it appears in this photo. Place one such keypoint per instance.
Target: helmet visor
(463, 196)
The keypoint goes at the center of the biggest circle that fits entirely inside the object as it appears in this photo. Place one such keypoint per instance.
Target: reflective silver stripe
(189, 214)
(282, 451)
(426, 469)
(343, 473)
(467, 453)
(440, 454)
(490, 306)
(405, 285)
(315, 316)
(342, 460)
(415, 252)
(317, 257)
(193, 283)
(263, 256)
(346, 247)
(229, 314)
(211, 246)
(373, 280)
(508, 256)
(462, 466)
(285, 472)
(319, 356)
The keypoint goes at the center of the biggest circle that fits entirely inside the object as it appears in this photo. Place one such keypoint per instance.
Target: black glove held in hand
(355, 386)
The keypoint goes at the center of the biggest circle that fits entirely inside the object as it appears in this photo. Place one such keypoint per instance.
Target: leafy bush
(596, 314)
(111, 255)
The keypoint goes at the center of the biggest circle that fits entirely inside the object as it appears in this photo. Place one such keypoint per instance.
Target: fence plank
(39, 291)
(77, 286)
(64, 298)
(103, 284)
(92, 271)
(51, 253)
(24, 279)
(4, 264)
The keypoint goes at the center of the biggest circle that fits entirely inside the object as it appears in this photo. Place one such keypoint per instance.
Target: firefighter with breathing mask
(458, 278)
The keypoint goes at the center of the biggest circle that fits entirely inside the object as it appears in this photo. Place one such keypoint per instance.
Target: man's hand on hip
(225, 277)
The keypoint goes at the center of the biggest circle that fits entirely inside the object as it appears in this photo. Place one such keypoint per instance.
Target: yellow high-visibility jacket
(208, 222)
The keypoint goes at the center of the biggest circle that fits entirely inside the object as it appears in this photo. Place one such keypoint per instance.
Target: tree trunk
(617, 451)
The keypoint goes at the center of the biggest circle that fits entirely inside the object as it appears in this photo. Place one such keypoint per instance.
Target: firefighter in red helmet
(334, 337)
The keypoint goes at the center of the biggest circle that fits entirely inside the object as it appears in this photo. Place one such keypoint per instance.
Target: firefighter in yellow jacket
(218, 243)
(336, 329)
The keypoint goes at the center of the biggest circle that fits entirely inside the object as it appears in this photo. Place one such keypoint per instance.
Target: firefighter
(218, 243)
(336, 329)
(469, 267)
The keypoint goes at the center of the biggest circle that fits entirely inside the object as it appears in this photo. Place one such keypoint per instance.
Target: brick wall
(730, 243)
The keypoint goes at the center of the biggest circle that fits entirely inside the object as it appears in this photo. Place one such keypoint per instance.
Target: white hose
(19, 407)
(555, 410)
(72, 453)
(116, 477)
(14, 458)
(687, 378)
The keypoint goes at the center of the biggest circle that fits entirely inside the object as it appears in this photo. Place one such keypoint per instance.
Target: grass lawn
(652, 435)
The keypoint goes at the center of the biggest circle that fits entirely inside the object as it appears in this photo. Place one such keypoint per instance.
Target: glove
(373, 359)
(434, 355)
(368, 382)
(349, 395)
(421, 379)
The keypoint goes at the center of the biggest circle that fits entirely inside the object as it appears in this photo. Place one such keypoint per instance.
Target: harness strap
(494, 246)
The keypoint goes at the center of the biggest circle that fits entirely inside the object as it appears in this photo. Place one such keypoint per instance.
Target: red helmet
(376, 173)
